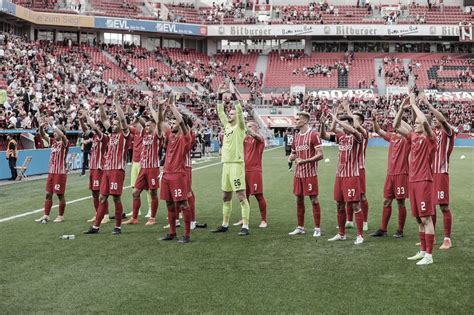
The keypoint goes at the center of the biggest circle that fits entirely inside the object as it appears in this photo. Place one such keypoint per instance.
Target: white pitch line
(89, 197)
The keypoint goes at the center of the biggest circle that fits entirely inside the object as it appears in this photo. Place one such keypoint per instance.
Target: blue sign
(150, 26)
(8, 7)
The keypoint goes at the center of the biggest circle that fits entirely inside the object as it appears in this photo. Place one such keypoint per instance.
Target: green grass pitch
(266, 272)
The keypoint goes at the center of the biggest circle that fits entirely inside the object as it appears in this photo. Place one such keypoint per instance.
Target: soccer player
(444, 134)
(57, 173)
(288, 141)
(114, 171)
(174, 186)
(233, 169)
(189, 176)
(347, 184)
(99, 148)
(364, 204)
(136, 132)
(306, 151)
(396, 182)
(422, 148)
(149, 175)
(254, 144)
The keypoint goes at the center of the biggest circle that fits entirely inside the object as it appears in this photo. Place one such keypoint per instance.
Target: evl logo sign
(166, 28)
(122, 24)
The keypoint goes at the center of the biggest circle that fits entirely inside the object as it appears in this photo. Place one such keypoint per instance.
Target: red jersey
(150, 154)
(398, 152)
(304, 146)
(192, 138)
(57, 159)
(444, 147)
(348, 159)
(177, 148)
(137, 144)
(98, 150)
(116, 151)
(422, 149)
(363, 149)
(253, 152)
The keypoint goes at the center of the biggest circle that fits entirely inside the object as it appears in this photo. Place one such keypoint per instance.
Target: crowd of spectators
(219, 12)
(395, 73)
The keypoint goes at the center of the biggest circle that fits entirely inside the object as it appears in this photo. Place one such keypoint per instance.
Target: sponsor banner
(8, 7)
(466, 32)
(451, 95)
(275, 121)
(54, 19)
(333, 30)
(397, 90)
(349, 93)
(150, 26)
(297, 89)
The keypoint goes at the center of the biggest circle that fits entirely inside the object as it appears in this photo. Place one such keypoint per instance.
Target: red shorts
(362, 184)
(253, 183)
(94, 180)
(56, 184)
(421, 200)
(112, 182)
(396, 187)
(174, 187)
(347, 189)
(189, 177)
(148, 178)
(441, 189)
(307, 186)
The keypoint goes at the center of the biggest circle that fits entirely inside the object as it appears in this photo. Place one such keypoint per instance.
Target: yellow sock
(245, 207)
(226, 211)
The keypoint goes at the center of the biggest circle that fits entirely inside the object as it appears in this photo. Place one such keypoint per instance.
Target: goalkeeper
(233, 170)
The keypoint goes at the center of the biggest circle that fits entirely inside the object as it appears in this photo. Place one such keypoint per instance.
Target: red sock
(422, 241)
(96, 202)
(48, 203)
(341, 222)
(187, 221)
(433, 218)
(402, 216)
(192, 206)
(172, 219)
(100, 213)
(262, 205)
(386, 213)
(447, 219)
(350, 213)
(364, 205)
(300, 212)
(136, 207)
(429, 239)
(118, 213)
(317, 214)
(154, 206)
(62, 207)
(359, 216)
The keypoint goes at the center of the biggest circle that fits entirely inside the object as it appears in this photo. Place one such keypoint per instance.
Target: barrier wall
(40, 162)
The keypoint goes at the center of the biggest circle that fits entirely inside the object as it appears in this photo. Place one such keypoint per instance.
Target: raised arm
(121, 117)
(323, 133)
(440, 117)
(240, 115)
(43, 134)
(82, 121)
(103, 115)
(94, 126)
(347, 127)
(377, 128)
(419, 114)
(397, 122)
(255, 135)
(177, 115)
(61, 134)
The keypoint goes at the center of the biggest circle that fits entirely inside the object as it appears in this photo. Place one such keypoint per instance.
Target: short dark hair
(361, 116)
(347, 118)
(187, 120)
(305, 114)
